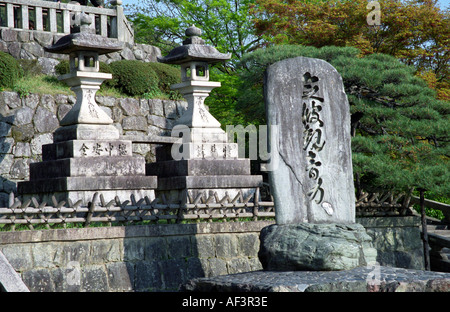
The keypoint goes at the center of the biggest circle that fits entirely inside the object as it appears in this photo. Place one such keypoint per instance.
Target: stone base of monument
(361, 279)
(184, 180)
(315, 247)
(84, 188)
(77, 165)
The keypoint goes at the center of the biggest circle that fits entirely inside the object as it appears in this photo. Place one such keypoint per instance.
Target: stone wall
(132, 258)
(397, 240)
(27, 123)
(161, 257)
(29, 45)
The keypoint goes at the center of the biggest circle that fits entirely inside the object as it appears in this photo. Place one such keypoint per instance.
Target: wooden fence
(382, 204)
(48, 16)
(445, 208)
(203, 207)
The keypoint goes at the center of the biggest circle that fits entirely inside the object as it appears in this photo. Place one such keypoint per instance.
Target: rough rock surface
(362, 279)
(315, 247)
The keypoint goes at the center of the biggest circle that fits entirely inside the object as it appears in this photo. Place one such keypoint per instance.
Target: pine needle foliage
(400, 130)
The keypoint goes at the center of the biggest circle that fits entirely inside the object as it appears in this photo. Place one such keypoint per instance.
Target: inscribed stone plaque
(313, 181)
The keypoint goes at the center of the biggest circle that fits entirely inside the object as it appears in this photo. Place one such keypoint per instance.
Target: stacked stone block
(27, 122)
(133, 258)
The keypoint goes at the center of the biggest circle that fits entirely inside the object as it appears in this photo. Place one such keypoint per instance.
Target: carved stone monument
(312, 184)
(86, 155)
(202, 161)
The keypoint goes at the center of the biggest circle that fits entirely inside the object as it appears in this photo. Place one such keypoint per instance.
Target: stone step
(88, 167)
(361, 279)
(199, 167)
(87, 183)
(210, 182)
(85, 148)
(444, 233)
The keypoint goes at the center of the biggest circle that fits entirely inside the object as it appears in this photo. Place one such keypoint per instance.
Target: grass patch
(41, 84)
(44, 84)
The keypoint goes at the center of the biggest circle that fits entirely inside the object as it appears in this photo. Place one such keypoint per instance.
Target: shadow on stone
(6, 159)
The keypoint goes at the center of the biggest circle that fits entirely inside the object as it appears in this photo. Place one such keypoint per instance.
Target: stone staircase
(438, 235)
(439, 240)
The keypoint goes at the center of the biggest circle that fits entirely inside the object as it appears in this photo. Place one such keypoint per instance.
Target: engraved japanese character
(97, 149)
(122, 149)
(317, 190)
(83, 150)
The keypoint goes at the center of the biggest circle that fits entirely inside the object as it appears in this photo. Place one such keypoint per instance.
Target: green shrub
(134, 78)
(168, 75)
(10, 70)
(63, 68)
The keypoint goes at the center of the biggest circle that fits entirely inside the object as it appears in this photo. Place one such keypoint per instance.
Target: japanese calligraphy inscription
(313, 182)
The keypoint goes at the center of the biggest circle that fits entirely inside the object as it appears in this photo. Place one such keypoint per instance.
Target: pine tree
(400, 130)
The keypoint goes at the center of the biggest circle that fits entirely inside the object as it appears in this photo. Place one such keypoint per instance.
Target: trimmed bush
(63, 68)
(10, 70)
(168, 75)
(134, 78)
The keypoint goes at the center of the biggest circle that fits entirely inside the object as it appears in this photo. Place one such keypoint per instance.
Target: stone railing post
(10, 14)
(66, 21)
(25, 17)
(39, 19)
(56, 18)
(119, 25)
(53, 23)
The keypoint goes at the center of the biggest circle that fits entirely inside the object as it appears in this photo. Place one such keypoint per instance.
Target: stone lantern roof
(194, 49)
(85, 40)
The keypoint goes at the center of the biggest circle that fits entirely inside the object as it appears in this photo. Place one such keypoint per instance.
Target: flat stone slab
(10, 280)
(361, 279)
(210, 182)
(88, 167)
(88, 183)
(85, 132)
(198, 167)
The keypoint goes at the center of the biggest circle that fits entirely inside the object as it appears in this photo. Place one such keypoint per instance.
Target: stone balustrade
(58, 18)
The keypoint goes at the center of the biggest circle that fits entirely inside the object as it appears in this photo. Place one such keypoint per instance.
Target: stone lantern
(205, 138)
(87, 154)
(84, 78)
(203, 162)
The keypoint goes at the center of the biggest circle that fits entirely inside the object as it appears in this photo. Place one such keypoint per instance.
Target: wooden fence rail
(445, 208)
(206, 208)
(202, 207)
